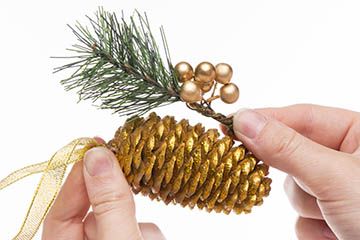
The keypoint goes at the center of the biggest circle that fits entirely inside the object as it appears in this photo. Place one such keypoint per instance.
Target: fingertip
(228, 132)
(99, 140)
(307, 228)
(223, 129)
(248, 123)
(151, 231)
(98, 152)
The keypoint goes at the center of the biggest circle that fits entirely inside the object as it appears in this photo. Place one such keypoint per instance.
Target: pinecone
(176, 162)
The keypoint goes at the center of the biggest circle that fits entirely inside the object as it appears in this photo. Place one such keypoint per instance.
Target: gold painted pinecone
(176, 162)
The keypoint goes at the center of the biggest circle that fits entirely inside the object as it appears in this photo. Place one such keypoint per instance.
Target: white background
(283, 52)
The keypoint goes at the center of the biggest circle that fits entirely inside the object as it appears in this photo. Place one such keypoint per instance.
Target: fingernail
(248, 123)
(329, 234)
(97, 162)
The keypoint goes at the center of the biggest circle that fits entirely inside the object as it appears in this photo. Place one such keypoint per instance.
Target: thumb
(285, 149)
(110, 196)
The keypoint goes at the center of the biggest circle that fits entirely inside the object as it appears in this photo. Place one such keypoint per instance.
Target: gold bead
(190, 92)
(184, 71)
(224, 73)
(205, 72)
(229, 93)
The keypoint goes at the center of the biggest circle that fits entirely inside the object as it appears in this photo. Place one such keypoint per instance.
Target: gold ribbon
(49, 185)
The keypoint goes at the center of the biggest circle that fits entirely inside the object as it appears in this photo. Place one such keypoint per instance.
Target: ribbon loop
(49, 185)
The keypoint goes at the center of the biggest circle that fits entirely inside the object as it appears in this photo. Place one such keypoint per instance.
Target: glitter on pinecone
(176, 162)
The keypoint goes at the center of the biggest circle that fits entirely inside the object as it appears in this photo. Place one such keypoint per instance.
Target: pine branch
(119, 63)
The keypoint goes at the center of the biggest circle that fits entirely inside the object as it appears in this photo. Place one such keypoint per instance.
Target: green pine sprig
(119, 63)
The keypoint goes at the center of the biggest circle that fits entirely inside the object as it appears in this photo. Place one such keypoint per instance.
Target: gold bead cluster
(206, 77)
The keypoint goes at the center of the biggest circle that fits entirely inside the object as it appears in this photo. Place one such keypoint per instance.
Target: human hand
(101, 185)
(319, 147)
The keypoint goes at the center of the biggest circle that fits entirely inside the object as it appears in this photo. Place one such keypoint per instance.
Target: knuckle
(357, 131)
(286, 145)
(307, 113)
(107, 202)
(279, 141)
(309, 119)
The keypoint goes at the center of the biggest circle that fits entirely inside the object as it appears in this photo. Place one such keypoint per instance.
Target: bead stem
(209, 112)
(212, 98)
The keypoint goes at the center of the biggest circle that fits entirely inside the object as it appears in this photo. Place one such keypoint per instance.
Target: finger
(110, 196)
(327, 126)
(303, 203)
(357, 152)
(150, 231)
(283, 148)
(90, 228)
(311, 229)
(69, 208)
(99, 140)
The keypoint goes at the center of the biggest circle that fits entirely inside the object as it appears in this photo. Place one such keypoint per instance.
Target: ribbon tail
(21, 173)
(49, 185)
